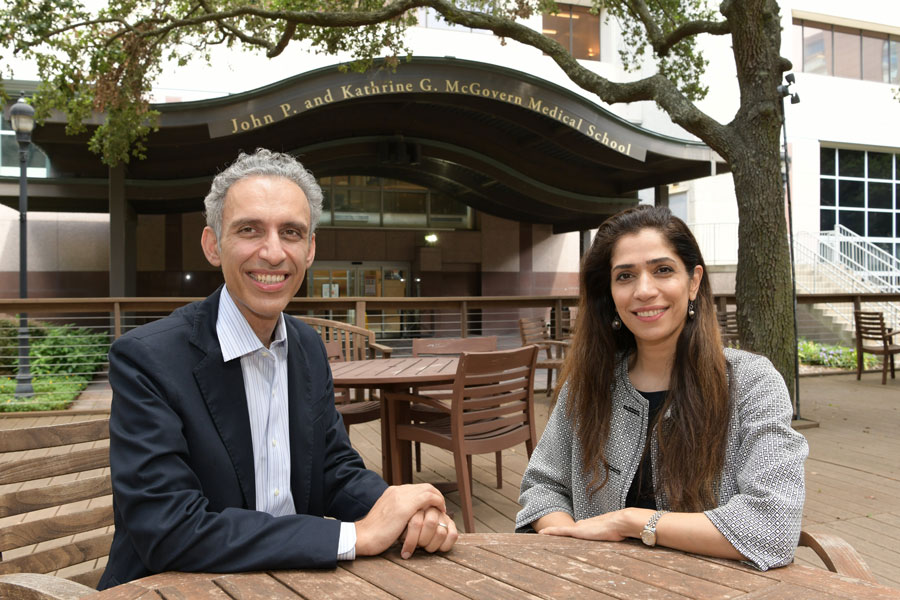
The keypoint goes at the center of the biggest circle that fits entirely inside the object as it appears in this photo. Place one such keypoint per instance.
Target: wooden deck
(853, 472)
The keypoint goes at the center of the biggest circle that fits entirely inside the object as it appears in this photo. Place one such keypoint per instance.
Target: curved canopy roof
(502, 141)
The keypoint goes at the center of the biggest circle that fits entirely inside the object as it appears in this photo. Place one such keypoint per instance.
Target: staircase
(840, 261)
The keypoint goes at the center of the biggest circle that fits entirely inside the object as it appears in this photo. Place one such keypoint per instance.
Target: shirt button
(265, 354)
(276, 491)
(274, 443)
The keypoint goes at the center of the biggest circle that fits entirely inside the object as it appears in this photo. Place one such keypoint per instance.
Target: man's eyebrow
(652, 261)
(256, 222)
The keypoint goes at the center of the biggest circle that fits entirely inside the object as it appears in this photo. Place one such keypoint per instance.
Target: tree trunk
(764, 287)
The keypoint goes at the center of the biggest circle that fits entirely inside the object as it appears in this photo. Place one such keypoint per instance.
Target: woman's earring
(616, 323)
(691, 312)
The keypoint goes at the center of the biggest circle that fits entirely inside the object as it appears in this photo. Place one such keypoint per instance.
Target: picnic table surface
(513, 566)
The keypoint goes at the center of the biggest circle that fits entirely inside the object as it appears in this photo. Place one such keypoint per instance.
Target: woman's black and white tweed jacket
(761, 492)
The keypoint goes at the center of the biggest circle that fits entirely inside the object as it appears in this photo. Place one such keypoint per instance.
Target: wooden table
(510, 566)
(394, 375)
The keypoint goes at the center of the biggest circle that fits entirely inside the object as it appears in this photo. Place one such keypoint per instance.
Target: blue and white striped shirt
(265, 385)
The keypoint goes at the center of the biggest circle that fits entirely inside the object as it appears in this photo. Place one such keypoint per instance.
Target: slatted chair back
(552, 352)
(870, 328)
(493, 399)
(345, 342)
(56, 479)
(533, 331)
(448, 346)
(728, 326)
(356, 343)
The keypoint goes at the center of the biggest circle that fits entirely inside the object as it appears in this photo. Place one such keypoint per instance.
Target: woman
(659, 433)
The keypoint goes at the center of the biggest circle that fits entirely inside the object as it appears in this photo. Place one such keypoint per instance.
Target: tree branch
(662, 43)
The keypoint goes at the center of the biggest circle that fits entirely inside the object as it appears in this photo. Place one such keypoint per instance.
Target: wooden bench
(62, 498)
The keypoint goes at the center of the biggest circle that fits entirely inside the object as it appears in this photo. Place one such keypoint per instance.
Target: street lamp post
(21, 116)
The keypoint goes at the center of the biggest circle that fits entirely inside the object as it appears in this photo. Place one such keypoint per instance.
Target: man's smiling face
(265, 249)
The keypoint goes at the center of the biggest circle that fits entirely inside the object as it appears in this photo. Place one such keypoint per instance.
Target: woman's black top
(640, 494)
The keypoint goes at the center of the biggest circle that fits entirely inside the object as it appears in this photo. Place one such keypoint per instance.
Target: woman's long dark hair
(692, 441)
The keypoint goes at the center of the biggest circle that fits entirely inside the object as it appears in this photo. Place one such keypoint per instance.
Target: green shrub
(63, 360)
(812, 353)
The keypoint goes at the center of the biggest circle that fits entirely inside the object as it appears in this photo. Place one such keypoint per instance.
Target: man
(226, 451)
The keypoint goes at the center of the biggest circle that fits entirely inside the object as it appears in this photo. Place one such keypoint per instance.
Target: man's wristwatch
(648, 535)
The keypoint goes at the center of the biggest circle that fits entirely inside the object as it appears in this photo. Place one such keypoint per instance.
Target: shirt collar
(236, 337)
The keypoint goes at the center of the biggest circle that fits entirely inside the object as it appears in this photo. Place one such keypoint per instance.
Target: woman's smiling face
(651, 287)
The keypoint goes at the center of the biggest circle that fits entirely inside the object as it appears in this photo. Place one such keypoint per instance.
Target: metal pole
(787, 183)
(23, 375)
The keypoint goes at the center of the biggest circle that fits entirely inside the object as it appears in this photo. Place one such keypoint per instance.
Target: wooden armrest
(385, 350)
(35, 586)
(838, 556)
(557, 342)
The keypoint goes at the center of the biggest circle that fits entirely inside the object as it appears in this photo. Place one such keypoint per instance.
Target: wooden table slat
(339, 584)
(399, 581)
(459, 578)
(534, 581)
(617, 575)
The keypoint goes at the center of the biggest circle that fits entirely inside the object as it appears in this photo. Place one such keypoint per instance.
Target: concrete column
(122, 237)
(661, 195)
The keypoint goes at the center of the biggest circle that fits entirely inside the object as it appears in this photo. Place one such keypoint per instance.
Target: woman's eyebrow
(652, 261)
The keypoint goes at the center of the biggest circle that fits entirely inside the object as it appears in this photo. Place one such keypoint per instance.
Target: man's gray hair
(263, 163)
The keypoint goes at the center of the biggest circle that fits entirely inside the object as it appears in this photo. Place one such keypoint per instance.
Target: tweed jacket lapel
(222, 387)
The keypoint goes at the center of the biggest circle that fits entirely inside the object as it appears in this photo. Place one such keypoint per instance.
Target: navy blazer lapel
(222, 387)
(300, 417)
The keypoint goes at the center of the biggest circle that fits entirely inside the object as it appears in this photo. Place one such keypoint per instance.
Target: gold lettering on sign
(252, 123)
(287, 110)
(425, 85)
(319, 100)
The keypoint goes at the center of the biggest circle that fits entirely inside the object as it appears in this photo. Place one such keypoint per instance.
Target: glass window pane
(826, 161)
(585, 34)
(816, 49)
(36, 158)
(851, 163)
(875, 63)
(846, 52)
(826, 192)
(341, 180)
(325, 218)
(880, 195)
(880, 224)
(9, 151)
(357, 207)
(894, 59)
(405, 209)
(880, 165)
(797, 35)
(850, 193)
(557, 26)
(854, 220)
(826, 220)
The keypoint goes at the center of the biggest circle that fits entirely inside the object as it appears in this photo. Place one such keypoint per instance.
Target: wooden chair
(75, 487)
(534, 332)
(345, 342)
(422, 413)
(837, 554)
(728, 326)
(491, 409)
(870, 327)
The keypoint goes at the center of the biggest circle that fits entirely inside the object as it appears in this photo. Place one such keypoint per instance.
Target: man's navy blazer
(181, 456)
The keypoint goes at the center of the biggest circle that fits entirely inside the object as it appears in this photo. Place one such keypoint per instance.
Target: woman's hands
(610, 527)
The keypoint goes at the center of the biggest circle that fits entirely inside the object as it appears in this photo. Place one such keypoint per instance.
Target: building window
(860, 190)
(826, 49)
(363, 201)
(576, 29)
(38, 164)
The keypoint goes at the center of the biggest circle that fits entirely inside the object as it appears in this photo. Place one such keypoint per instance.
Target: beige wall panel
(151, 243)
(499, 244)
(401, 245)
(360, 245)
(83, 244)
(554, 253)
(191, 229)
(461, 246)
